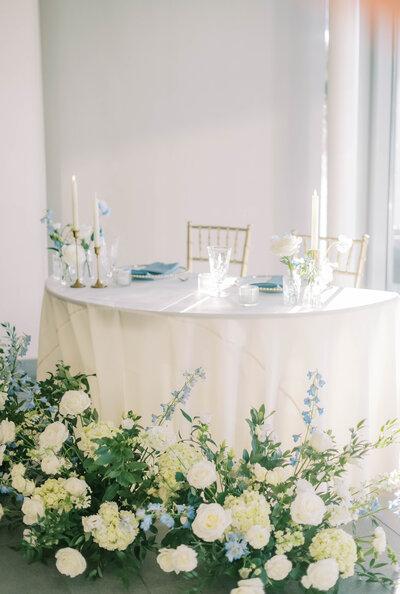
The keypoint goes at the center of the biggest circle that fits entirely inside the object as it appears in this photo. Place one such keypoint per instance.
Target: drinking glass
(219, 258)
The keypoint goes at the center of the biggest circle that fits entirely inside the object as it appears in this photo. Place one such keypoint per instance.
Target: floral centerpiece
(89, 493)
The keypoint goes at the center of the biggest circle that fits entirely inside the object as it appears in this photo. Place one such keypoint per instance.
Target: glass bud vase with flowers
(287, 247)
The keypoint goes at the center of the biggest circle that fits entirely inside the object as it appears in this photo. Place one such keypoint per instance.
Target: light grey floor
(17, 577)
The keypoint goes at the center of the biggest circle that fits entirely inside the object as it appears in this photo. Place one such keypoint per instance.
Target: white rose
(278, 567)
(344, 244)
(205, 417)
(202, 474)
(127, 423)
(69, 254)
(164, 559)
(251, 586)
(160, 438)
(379, 542)
(184, 559)
(2, 450)
(22, 485)
(7, 431)
(3, 398)
(51, 464)
(53, 436)
(285, 246)
(321, 575)
(257, 536)
(70, 562)
(33, 509)
(211, 521)
(93, 523)
(278, 475)
(259, 472)
(307, 508)
(1, 511)
(321, 441)
(75, 486)
(73, 403)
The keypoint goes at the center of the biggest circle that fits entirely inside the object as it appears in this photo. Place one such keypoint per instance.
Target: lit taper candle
(96, 225)
(315, 221)
(75, 214)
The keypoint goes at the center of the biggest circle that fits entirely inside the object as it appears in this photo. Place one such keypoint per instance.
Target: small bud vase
(312, 295)
(291, 288)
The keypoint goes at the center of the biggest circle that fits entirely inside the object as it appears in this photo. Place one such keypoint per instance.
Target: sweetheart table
(138, 340)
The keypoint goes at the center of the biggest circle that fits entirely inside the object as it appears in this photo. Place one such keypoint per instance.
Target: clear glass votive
(123, 276)
(207, 283)
(248, 295)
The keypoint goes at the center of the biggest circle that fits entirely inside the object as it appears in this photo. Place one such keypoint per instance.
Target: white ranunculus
(69, 254)
(202, 474)
(321, 441)
(160, 438)
(33, 509)
(75, 486)
(51, 464)
(258, 536)
(127, 423)
(321, 575)
(278, 567)
(211, 521)
(73, 403)
(1, 511)
(70, 562)
(2, 450)
(205, 417)
(379, 542)
(307, 508)
(285, 246)
(164, 559)
(250, 586)
(53, 436)
(91, 523)
(3, 398)
(344, 244)
(184, 558)
(7, 431)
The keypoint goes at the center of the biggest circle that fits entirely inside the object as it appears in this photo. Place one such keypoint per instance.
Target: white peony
(164, 559)
(160, 438)
(344, 244)
(379, 542)
(211, 521)
(53, 436)
(33, 509)
(73, 403)
(278, 567)
(7, 431)
(51, 464)
(3, 398)
(75, 486)
(320, 441)
(2, 450)
(127, 423)
(70, 562)
(202, 474)
(250, 586)
(307, 508)
(258, 536)
(285, 246)
(184, 558)
(69, 254)
(321, 575)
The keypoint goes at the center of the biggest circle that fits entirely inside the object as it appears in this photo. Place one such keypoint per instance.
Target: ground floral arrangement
(89, 494)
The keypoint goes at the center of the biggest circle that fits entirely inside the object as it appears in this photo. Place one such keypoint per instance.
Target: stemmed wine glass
(219, 258)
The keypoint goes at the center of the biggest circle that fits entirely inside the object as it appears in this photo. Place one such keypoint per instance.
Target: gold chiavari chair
(200, 236)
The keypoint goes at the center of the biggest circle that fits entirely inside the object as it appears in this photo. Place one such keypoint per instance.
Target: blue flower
(236, 547)
(309, 374)
(311, 390)
(155, 507)
(296, 437)
(167, 520)
(154, 418)
(321, 383)
(52, 409)
(146, 523)
(5, 490)
(306, 416)
(19, 497)
(307, 401)
(44, 400)
(104, 208)
(164, 407)
(320, 410)
(180, 509)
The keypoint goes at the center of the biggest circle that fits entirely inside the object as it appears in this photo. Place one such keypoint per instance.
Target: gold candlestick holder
(314, 255)
(98, 284)
(77, 284)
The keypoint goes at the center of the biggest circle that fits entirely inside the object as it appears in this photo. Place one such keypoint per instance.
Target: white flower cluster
(202, 474)
(94, 431)
(178, 458)
(74, 403)
(111, 528)
(159, 438)
(285, 246)
(211, 521)
(7, 431)
(274, 477)
(3, 399)
(183, 558)
(307, 507)
(334, 543)
(19, 482)
(53, 437)
(250, 516)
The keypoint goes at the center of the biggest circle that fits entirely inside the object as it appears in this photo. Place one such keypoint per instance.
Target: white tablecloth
(138, 341)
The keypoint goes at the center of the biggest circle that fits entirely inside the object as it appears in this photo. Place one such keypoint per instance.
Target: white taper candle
(75, 215)
(96, 225)
(315, 221)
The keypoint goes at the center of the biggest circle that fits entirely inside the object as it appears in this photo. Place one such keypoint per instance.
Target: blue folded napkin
(155, 268)
(274, 285)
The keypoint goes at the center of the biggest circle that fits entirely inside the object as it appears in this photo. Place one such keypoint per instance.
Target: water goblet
(218, 258)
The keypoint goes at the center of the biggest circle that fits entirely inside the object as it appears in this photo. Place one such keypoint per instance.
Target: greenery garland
(89, 493)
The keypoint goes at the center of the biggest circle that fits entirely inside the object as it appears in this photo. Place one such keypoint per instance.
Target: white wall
(22, 168)
(208, 110)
